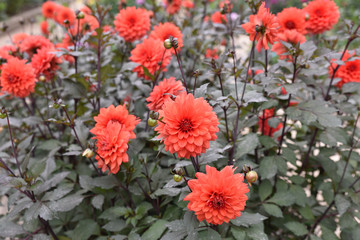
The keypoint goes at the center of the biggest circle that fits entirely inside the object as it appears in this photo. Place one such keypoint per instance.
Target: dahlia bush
(181, 119)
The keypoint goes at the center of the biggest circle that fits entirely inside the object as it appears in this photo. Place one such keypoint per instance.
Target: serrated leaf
(299, 229)
(67, 203)
(201, 91)
(115, 225)
(155, 231)
(85, 229)
(299, 194)
(246, 145)
(265, 189)
(10, 229)
(248, 219)
(283, 199)
(98, 201)
(273, 210)
(268, 167)
(342, 204)
(209, 234)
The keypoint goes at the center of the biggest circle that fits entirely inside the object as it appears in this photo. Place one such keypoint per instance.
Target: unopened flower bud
(251, 177)
(2, 115)
(178, 171)
(177, 178)
(307, 16)
(88, 153)
(66, 22)
(80, 15)
(257, 28)
(42, 78)
(154, 115)
(167, 44)
(152, 122)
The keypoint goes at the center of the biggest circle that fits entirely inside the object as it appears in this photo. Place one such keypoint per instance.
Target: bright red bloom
(148, 54)
(49, 9)
(112, 143)
(18, 38)
(322, 14)
(266, 129)
(227, 4)
(45, 62)
(264, 26)
(115, 114)
(217, 196)
(6, 52)
(113, 129)
(164, 31)
(44, 28)
(164, 92)
(187, 126)
(188, 4)
(132, 23)
(32, 43)
(172, 6)
(217, 17)
(290, 36)
(17, 78)
(292, 18)
(211, 53)
(350, 72)
(65, 13)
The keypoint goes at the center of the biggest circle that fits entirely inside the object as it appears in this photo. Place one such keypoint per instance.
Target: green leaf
(289, 155)
(85, 229)
(265, 189)
(248, 219)
(273, 210)
(209, 234)
(172, 192)
(201, 91)
(238, 234)
(38, 209)
(299, 194)
(67, 203)
(307, 213)
(299, 229)
(155, 231)
(328, 234)
(10, 229)
(98, 201)
(342, 204)
(115, 225)
(283, 199)
(147, 73)
(268, 167)
(247, 144)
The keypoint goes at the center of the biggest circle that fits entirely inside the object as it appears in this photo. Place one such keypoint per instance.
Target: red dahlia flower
(17, 78)
(18, 38)
(112, 143)
(292, 19)
(164, 31)
(49, 9)
(132, 23)
(148, 54)
(290, 36)
(350, 72)
(44, 27)
(113, 129)
(65, 13)
(217, 17)
(217, 196)
(264, 26)
(172, 6)
(7, 52)
(211, 53)
(187, 126)
(46, 62)
(31, 44)
(322, 14)
(266, 129)
(164, 92)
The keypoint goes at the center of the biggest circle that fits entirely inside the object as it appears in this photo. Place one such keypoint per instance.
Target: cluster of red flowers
(113, 130)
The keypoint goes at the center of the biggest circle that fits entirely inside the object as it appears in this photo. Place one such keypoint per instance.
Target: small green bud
(152, 122)
(42, 78)
(2, 115)
(154, 115)
(251, 177)
(80, 15)
(167, 44)
(177, 178)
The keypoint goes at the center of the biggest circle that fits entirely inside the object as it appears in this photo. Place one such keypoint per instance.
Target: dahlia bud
(178, 171)
(167, 44)
(154, 115)
(152, 122)
(251, 177)
(304, 4)
(307, 16)
(42, 78)
(88, 153)
(80, 15)
(177, 178)
(257, 28)
(174, 42)
(2, 115)
(246, 168)
(66, 22)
